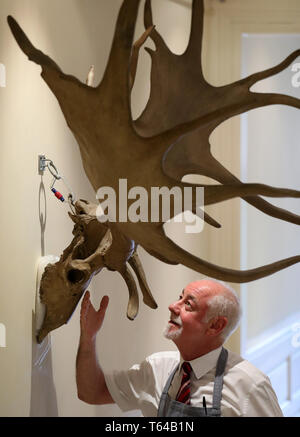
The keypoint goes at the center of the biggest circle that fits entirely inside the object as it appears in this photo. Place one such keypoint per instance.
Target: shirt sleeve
(262, 401)
(128, 388)
(140, 387)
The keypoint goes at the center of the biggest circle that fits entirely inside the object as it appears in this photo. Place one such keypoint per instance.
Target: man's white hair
(226, 304)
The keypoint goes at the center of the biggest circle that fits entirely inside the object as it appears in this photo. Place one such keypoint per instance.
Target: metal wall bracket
(41, 164)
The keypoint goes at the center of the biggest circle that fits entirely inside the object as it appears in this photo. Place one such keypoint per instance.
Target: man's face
(187, 313)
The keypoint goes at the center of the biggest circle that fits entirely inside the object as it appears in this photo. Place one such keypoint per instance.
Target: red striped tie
(184, 391)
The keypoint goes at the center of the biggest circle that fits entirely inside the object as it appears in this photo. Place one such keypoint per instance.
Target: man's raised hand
(90, 319)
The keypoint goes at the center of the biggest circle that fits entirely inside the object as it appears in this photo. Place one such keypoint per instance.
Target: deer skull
(95, 245)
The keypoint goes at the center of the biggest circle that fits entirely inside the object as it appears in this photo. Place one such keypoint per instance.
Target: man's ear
(216, 325)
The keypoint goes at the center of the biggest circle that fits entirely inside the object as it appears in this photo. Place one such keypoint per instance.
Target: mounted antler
(164, 142)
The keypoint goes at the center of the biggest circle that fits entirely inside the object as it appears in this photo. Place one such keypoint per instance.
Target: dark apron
(170, 408)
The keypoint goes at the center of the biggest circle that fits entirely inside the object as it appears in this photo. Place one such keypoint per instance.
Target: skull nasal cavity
(75, 276)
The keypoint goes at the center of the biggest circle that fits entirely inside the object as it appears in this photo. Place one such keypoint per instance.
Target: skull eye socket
(75, 276)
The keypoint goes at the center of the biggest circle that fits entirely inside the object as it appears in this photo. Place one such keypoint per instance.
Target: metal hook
(49, 165)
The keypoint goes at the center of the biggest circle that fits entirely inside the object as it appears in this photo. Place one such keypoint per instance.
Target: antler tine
(220, 173)
(272, 210)
(148, 22)
(135, 54)
(61, 84)
(133, 303)
(256, 77)
(266, 99)
(224, 176)
(218, 193)
(194, 48)
(211, 221)
(38, 56)
(170, 136)
(174, 253)
(253, 101)
(212, 168)
(28, 48)
(137, 267)
(119, 58)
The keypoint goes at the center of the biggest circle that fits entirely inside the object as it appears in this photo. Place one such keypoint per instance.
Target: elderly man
(202, 379)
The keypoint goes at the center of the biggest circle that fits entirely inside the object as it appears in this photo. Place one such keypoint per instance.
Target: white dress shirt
(247, 392)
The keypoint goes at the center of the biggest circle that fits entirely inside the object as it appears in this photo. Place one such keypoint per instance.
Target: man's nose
(174, 308)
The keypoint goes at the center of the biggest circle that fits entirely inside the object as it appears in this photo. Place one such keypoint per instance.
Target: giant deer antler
(163, 144)
(180, 100)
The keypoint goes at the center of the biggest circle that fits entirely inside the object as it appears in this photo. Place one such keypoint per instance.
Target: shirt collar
(205, 363)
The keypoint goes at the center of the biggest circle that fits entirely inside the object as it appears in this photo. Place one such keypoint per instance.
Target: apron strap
(164, 395)
(218, 385)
